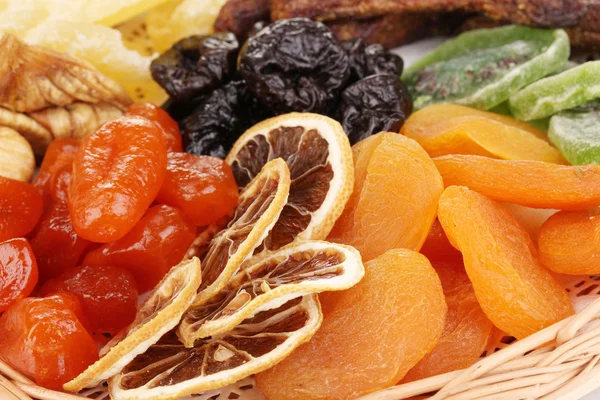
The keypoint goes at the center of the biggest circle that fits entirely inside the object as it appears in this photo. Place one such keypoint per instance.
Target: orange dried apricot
(45, 339)
(58, 162)
(394, 201)
(371, 335)
(466, 331)
(18, 271)
(117, 173)
(21, 207)
(513, 288)
(437, 247)
(162, 118)
(534, 184)
(569, 242)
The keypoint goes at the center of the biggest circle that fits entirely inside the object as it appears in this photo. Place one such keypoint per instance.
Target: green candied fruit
(576, 133)
(485, 67)
(564, 91)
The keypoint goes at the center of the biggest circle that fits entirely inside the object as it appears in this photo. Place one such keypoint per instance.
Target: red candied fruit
(117, 173)
(55, 170)
(18, 271)
(21, 207)
(159, 241)
(203, 187)
(108, 295)
(55, 244)
(162, 119)
(45, 339)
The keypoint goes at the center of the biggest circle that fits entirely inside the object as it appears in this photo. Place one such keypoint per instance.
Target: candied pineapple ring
(265, 283)
(159, 314)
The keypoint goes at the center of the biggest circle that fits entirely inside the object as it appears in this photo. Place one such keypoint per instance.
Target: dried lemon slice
(160, 313)
(169, 370)
(259, 285)
(319, 157)
(259, 208)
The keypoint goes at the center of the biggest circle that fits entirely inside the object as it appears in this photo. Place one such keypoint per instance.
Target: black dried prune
(370, 60)
(295, 65)
(374, 104)
(220, 119)
(196, 65)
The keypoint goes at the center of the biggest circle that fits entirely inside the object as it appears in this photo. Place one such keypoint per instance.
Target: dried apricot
(437, 247)
(155, 244)
(534, 184)
(466, 331)
(56, 246)
(569, 242)
(513, 288)
(108, 295)
(371, 335)
(396, 190)
(531, 218)
(203, 187)
(21, 207)
(162, 119)
(58, 161)
(44, 338)
(18, 271)
(117, 173)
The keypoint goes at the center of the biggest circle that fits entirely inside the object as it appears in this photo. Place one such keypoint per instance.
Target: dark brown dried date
(370, 60)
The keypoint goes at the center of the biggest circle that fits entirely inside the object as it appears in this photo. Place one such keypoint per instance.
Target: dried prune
(196, 65)
(376, 103)
(295, 65)
(370, 60)
(217, 122)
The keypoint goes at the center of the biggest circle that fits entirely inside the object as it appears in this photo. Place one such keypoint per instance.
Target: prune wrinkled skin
(295, 65)
(370, 60)
(196, 65)
(217, 122)
(374, 104)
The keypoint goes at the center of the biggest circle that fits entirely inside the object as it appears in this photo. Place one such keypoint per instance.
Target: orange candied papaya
(533, 184)
(162, 118)
(513, 288)
(371, 335)
(45, 339)
(18, 272)
(21, 207)
(117, 173)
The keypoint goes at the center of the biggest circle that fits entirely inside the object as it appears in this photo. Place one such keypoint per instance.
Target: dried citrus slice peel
(169, 370)
(319, 157)
(260, 205)
(160, 313)
(266, 283)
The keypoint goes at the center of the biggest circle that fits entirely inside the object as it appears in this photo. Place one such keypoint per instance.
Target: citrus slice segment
(319, 157)
(260, 205)
(160, 313)
(265, 283)
(169, 370)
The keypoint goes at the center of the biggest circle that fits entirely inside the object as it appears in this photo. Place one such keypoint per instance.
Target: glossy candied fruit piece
(529, 183)
(58, 161)
(45, 339)
(157, 242)
(512, 286)
(203, 187)
(394, 201)
(18, 272)
(163, 119)
(108, 295)
(117, 173)
(21, 207)
(569, 242)
(371, 335)
(56, 245)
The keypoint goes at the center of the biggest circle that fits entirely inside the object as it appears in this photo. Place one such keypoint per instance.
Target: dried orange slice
(160, 313)
(319, 157)
(267, 281)
(169, 370)
(260, 205)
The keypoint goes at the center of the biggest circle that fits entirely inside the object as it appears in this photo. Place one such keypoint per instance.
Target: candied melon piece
(394, 201)
(534, 184)
(513, 288)
(485, 137)
(466, 331)
(371, 335)
(569, 242)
